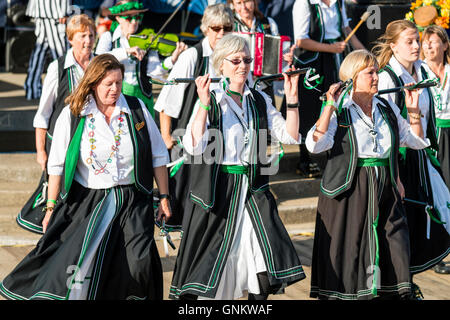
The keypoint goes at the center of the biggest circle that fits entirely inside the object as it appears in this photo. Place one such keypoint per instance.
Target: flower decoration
(427, 12)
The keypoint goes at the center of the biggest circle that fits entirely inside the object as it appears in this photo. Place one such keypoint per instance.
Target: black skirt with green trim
(361, 244)
(208, 234)
(125, 263)
(426, 252)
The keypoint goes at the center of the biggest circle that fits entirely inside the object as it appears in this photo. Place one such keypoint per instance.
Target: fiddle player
(140, 65)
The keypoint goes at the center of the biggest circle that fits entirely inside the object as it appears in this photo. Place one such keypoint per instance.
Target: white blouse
(50, 88)
(441, 94)
(385, 82)
(364, 140)
(155, 68)
(234, 120)
(120, 170)
(301, 17)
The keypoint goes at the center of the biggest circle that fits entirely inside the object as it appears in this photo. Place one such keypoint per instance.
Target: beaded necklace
(114, 147)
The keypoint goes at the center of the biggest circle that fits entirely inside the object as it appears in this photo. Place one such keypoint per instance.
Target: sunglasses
(137, 17)
(224, 28)
(236, 62)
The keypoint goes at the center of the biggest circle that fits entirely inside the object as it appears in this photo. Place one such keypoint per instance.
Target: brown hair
(79, 23)
(95, 72)
(442, 34)
(382, 49)
(258, 14)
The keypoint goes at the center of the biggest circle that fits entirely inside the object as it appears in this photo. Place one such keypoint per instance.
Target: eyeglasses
(137, 17)
(236, 62)
(224, 28)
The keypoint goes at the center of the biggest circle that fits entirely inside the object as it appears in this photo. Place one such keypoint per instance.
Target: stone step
(16, 193)
(22, 166)
(19, 167)
(288, 186)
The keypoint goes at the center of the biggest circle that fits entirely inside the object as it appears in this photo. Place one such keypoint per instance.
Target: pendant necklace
(371, 126)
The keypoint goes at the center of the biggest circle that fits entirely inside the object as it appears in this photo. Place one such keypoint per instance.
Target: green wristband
(204, 106)
(52, 201)
(329, 103)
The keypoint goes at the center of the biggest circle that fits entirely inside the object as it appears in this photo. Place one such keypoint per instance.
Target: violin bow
(166, 23)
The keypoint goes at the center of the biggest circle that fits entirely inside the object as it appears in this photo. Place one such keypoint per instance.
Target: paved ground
(433, 285)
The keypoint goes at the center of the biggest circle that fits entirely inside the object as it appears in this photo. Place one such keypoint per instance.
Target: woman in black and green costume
(361, 242)
(140, 66)
(98, 240)
(426, 195)
(320, 27)
(233, 239)
(63, 76)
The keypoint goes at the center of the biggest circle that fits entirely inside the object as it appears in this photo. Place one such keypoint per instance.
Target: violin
(147, 39)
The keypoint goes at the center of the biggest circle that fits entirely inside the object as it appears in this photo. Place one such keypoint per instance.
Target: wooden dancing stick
(364, 17)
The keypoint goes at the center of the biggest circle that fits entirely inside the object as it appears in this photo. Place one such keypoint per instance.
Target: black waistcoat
(204, 175)
(142, 150)
(316, 32)
(65, 87)
(343, 156)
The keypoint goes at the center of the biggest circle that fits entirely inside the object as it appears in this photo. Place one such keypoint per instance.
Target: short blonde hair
(79, 23)
(354, 62)
(216, 15)
(229, 44)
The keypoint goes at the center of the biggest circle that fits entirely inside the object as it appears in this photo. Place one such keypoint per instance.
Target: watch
(164, 196)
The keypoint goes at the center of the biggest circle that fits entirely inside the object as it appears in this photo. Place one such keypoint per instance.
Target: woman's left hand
(289, 57)
(291, 86)
(181, 46)
(164, 210)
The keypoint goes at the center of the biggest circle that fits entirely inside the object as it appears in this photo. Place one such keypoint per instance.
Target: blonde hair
(79, 23)
(442, 34)
(229, 44)
(382, 49)
(95, 72)
(216, 15)
(354, 62)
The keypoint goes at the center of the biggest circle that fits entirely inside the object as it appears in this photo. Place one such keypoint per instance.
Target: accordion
(267, 52)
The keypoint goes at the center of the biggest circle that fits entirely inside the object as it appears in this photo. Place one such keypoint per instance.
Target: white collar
(70, 59)
(91, 106)
(117, 33)
(320, 2)
(221, 93)
(207, 50)
(253, 21)
(400, 70)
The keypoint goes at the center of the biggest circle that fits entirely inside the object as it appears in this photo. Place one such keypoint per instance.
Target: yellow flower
(445, 13)
(428, 2)
(409, 16)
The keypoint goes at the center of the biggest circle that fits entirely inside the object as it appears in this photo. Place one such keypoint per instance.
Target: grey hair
(216, 15)
(229, 44)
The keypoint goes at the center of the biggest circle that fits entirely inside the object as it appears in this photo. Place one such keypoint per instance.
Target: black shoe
(308, 170)
(416, 294)
(441, 268)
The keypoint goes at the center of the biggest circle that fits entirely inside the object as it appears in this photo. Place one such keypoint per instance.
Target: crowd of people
(383, 211)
